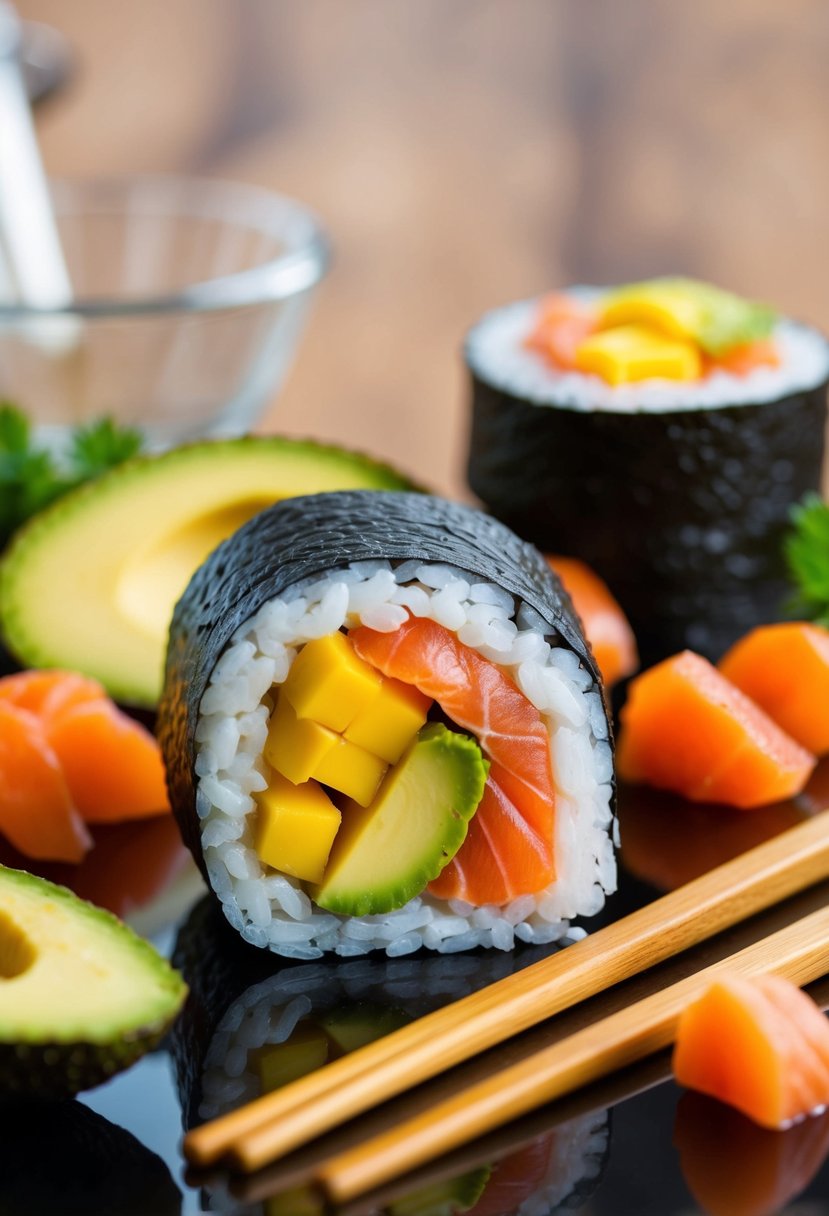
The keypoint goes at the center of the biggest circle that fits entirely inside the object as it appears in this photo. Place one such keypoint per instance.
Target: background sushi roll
(393, 566)
(677, 492)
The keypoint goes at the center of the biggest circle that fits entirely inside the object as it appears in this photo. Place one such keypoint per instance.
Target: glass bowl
(190, 298)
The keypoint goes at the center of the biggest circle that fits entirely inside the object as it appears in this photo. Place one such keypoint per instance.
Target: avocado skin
(62, 1157)
(639, 495)
(303, 538)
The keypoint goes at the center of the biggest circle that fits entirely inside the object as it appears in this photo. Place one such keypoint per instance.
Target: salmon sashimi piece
(734, 1168)
(563, 324)
(508, 850)
(37, 814)
(785, 669)
(686, 728)
(759, 1044)
(605, 625)
(111, 763)
(48, 692)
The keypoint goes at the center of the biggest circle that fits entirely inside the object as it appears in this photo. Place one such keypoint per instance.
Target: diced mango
(329, 683)
(389, 723)
(351, 770)
(279, 1064)
(661, 304)
(295, 828)
(634, 352)
(295, 746)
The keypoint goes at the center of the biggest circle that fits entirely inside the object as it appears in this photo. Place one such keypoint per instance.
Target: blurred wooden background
(463, 154)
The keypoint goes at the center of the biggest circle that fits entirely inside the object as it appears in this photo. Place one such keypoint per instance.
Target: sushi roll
(660, 432)
(383, 729)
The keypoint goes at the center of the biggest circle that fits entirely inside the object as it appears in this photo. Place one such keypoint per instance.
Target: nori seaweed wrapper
(301, 539)
(682, 513)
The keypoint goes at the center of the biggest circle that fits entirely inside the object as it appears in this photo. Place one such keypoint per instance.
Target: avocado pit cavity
(17, 953)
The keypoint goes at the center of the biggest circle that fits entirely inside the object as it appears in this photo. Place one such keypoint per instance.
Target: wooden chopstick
(279, 1121)
(800, 953)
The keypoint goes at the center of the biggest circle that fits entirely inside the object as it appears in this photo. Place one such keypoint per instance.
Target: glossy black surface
(631, 1145)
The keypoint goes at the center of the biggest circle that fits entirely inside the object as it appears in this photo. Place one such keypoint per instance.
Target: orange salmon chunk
(759, 1044)
(785, 669)
(605, 625)
(686, 728)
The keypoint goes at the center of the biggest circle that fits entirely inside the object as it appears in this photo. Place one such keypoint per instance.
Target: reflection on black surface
(252, 1026)
(735, 1168)
(129, 865)
(58, 1158)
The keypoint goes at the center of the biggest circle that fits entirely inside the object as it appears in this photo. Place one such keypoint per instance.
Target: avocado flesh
(386, 853)
(81, 995)
(90, 583)
(716, 320)
(449, 1198)
(355, 1026)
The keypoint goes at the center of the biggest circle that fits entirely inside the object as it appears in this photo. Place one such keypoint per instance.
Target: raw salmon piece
(686, 728)
(734, 1168)
(759, 1044)
(508, 849)
(516, 1178)
(48, 692)
(562, 326)
(741, 360)
(785, 669)
(605, 625)
(36, 810)
(111, 763)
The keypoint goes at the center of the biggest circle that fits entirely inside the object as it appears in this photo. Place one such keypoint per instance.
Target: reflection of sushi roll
(247, 1031)
(661, 433)
(383, 729)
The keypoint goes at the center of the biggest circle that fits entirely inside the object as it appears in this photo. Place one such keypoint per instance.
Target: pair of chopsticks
(280, 1121)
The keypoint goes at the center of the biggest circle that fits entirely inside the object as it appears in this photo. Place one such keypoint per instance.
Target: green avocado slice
(81, 995)
(386, 853)
(90, 583)
(450, 1198)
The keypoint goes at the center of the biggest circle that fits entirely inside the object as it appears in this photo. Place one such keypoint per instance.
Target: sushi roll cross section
(383, 729)
(661, 432)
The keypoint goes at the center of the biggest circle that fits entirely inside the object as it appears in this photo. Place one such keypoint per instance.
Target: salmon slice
(741, 360)
(785, 669)
(37, 814)
(734, 1168)
(111, 763)
(563, 324)
(605, 625)
(759, 1044)
(508, 849)
(45, 693)
(686, 728)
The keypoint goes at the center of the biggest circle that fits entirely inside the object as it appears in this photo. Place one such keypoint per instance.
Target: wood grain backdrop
(466, 153)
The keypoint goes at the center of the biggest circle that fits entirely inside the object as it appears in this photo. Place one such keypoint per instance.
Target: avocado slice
(385, 854)
(716, 320)
(448, 1198)
(81, 995)
(90, 583)
(354, 1026)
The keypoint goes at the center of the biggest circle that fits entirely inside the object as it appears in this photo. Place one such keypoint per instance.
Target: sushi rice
(272, 910)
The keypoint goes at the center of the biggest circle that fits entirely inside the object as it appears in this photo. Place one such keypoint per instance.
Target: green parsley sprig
(807, 555)
(32, 477)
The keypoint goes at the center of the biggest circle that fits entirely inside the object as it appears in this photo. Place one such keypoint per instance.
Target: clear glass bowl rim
(302, 264)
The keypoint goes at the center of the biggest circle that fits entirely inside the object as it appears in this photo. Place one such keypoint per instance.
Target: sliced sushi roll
(383, 729)
(660, 432)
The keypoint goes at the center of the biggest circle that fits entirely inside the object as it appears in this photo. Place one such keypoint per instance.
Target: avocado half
(83, 996)
(90, 584)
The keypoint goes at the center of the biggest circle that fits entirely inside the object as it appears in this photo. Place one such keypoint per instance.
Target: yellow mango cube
(352, 770)
(295, 828)
(329, 683)
(389, 723)
(663, 304)
(279, 1064)
(634, 352)
(295, 746)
